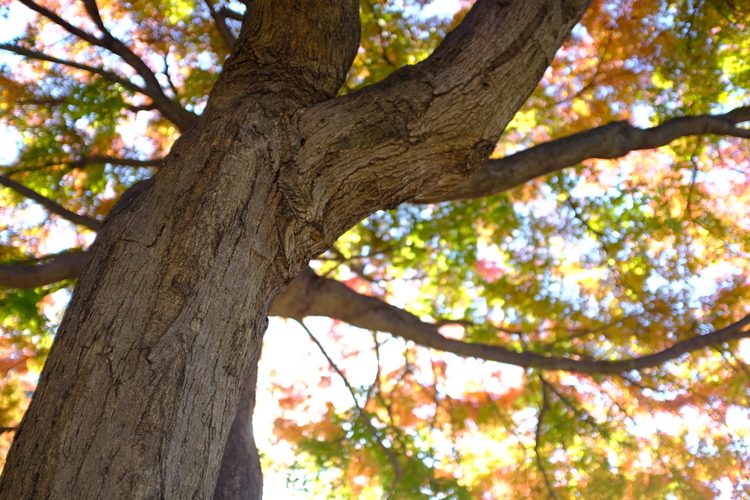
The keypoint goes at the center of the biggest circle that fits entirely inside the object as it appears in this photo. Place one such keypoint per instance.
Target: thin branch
(592, 80)
(607, 254)
(397, 472)
(109, 75)
(172, 86)
(376, 383)
(50, 205)
(87, 160)
(221, 25)
(113, 160)
(538, 439)
(608, 142)
(435, 394)
(581, 414)
(688, 212)
(57, 101)
(181, 117)
(8, 429)
(741, 368)
(42, 101)
(589, 332)
(73, 30)
(311, 295)
(141, 107)
(63, 267)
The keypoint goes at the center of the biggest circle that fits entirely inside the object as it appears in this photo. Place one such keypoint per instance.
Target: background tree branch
(181, 117)
(83, 161)
(62, 267)
(231, 14)
(50, 205)
(52, 16)
(362, 414)
(96, 70)
(544, 407)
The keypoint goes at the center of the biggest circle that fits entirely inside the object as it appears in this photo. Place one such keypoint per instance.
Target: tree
(159, 345)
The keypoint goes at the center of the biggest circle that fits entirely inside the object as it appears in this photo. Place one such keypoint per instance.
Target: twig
(362, 414)
(87, 160)
(538, 438)
(181, 117)
(96, 70)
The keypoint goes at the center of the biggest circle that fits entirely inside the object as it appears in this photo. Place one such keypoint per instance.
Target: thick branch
(240, 474)
(50, 205)
(609, 141)
(311, 295)
(64, 267)
(426, 127)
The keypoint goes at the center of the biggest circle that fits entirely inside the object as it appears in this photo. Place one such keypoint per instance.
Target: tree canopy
(569, 321)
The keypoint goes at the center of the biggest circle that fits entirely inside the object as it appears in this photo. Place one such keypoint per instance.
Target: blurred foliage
(609, 259)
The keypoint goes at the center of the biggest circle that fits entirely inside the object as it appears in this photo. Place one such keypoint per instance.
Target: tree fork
(141, 387)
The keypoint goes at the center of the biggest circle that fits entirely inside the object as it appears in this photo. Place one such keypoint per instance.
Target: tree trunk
(142, 384)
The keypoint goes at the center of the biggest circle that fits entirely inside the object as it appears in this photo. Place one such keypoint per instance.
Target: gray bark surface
(240, 476)
(142, 385)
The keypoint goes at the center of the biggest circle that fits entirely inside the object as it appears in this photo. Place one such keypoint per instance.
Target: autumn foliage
(609, 259)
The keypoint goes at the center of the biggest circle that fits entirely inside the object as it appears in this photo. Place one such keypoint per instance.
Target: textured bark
(142, 385)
